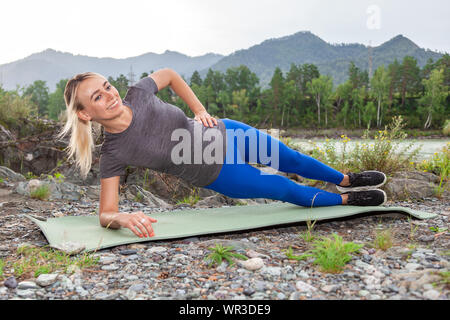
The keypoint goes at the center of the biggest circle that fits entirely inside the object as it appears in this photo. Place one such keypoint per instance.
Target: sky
(121, 29)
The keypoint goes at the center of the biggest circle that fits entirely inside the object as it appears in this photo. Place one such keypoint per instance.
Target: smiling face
(100, 99)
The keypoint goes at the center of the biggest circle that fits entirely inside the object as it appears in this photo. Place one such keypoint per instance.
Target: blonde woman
(142, 130)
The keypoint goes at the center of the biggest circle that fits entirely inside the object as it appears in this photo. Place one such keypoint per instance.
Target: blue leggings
(238, 179)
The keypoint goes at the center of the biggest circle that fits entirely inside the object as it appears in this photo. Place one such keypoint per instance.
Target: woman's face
(100, 99)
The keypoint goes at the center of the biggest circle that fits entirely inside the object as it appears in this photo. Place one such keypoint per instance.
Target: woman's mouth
(113, 105)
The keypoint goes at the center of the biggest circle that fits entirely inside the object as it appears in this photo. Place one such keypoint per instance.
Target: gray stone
(137, 287)
(157, 249)
(304, 287)
(431, 294)
(110, 267)
(11, 283)
(9, 175)
(329, 288)
(363, 293)
(25, 293)
(252, 264)
(46, 279)
(70, 247)
(412, 266)
(23, 285)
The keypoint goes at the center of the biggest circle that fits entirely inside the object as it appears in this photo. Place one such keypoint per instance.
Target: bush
(13, 108)
(446, 129)
(42, 192)
(382, 155)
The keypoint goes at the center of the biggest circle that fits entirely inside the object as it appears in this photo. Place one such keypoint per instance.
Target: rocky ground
(415, 267)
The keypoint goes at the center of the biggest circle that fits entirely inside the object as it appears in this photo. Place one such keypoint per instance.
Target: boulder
(58, 190)
(411, 185)
(9, 175)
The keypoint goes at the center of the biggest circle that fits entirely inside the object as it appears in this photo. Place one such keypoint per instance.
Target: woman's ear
(83, 115)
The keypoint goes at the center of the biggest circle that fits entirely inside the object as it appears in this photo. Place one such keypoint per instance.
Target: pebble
(412, 266)
(431, 294)
(253, 264)
(157, 250)
(176, 269)
(10, 282)
(46, 279)
(304, 287)
(24, 285)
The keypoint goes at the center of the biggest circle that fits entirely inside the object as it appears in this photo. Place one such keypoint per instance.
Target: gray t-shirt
(153, 141)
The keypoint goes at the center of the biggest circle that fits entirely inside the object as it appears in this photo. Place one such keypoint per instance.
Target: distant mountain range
(262, 59)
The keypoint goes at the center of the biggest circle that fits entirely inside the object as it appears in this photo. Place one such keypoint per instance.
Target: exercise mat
(87, 232)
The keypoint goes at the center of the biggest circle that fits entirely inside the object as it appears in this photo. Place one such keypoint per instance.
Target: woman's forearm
(109, 220)
(183, 90)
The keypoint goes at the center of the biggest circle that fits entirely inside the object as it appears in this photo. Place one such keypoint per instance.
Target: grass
(36, 261)
(191, 200)
(437, 229)
(445, 278)
(307, 235)
(42, 192)
(2, 265)
(383, 239)
(139, 197)
(412, 229)
(290, 255)
(332, 254)
(220, 253)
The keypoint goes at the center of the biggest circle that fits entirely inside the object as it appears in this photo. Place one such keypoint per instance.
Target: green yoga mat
(86, 230)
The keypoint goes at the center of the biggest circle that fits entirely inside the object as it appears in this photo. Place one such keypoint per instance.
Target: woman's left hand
(205, 118)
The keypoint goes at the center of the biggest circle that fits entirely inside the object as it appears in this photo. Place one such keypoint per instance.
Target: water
(428, 146)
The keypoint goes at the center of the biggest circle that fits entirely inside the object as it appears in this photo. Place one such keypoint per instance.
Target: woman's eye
(100, 95)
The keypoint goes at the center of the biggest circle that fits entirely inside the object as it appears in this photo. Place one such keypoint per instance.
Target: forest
(300, 98)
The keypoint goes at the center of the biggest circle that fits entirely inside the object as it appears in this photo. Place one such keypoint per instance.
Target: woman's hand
(205, 118)
(138, 222)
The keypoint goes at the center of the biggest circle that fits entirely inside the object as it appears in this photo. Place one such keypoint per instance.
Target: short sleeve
(147, 84)
(110, 166)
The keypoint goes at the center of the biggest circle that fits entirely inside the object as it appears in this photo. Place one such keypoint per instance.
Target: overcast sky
(120, 29)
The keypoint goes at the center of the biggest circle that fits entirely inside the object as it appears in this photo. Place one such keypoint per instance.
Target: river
(428, 146)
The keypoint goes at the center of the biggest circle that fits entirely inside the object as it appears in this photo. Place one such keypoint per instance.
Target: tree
(369, 113)
(121, 84)
(357, 77)
(380, 86)
(56, 102)
(38, 93)
(409, 77)
(196, 79)
(343, 95)
(321, 90)
(394, 77)
(277, 86)
(435, 93)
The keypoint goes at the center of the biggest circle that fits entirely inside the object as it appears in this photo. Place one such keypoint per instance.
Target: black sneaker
(363, 181)
(374, 197)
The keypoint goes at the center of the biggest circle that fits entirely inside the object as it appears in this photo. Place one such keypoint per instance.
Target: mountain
(331, 59)
(262, 59)
(52, 66)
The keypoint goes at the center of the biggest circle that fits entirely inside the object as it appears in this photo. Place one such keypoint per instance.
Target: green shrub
(446, 128)
(42, 192)
(219, 253)
(13, 108)
(36, 261)
(332, 255)
(383, 239)
(382, 155)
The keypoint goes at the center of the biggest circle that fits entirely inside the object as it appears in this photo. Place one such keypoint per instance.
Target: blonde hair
(81, 142)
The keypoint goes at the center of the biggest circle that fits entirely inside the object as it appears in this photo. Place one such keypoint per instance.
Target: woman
(142, 130)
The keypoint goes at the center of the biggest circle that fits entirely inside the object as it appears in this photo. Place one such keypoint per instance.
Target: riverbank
(416, 266)
(335, 133)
